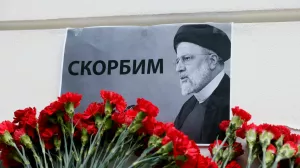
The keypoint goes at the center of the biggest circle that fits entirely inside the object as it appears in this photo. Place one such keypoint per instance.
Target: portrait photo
(184, 69)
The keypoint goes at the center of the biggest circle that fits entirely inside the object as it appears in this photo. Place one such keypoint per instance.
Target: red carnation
(53, 108)
(285, 132)
(93, 109)
(159, 128)
(114, 99)
(168, 127)
(26, 117)
(6, 126)
(215, 145)
(271, 129)
(70, 97)
(181, 146)
(146, 107)
(224, 125)
(51, 116)
(245, 116)
(191, 152)
(49, 144)
(90, 127)
(295, 138)
(130, 116)
(271, 148)
(240, 132)
(153, 127)
(82, 123)
(124, 117)
(77, 118)
(8, 155)
(292, 146)
(238, 149)
(119, 118)
(171, 133)
(206, 162)
(32, 133)
(233, 164)
(48, 133)
(149, 124)
(297, 161)
(18, 134)
(263, 127)
(251, 126)
(48, 127)
(43, 120)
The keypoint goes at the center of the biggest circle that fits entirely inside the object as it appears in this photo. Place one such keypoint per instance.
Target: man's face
(192, 67)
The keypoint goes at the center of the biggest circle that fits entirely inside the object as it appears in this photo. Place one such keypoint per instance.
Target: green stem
(219, 147)
(249, 160)
(145, 152)
(36, 157)
(96, 149)
(98, 158)
(112, 141)
(264, 149)
(26, 162)
(117, 149)
(120, 154)
(117, 160)
(80, 155)
(89, 153)
(60, 158)
(122, 159)
(127, 153)
(43, 147)
(275, 164)
(108, 149)
(72, 146)
(50, 158)
(141, 161)
(227, 159)
(44, 156)
(170, 165)
(292, 163)
(66, 156)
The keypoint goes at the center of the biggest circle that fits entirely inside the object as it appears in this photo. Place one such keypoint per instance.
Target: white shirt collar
(202, 95)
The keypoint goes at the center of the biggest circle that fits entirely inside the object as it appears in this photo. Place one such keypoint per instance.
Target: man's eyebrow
(185, 55)
(180, 57)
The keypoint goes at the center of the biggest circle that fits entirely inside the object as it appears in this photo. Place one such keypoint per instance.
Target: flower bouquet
(106, 134)
(109, 134)
(272, 146)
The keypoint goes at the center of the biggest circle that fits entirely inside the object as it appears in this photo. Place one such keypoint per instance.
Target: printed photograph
(184, 69)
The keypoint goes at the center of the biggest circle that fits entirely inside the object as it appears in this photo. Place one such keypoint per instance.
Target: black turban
(205, 36)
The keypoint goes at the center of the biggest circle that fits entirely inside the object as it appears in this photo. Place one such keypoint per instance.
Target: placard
(184, 69)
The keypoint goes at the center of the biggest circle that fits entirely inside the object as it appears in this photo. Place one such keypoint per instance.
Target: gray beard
(196, 81)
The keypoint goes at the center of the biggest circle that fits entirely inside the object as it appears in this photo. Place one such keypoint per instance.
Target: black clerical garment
(201, 121)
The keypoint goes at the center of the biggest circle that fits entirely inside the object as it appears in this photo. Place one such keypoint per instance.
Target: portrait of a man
(138, 62)
(201, 51)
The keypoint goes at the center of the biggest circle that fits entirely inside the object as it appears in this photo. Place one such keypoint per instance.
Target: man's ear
(213, 61)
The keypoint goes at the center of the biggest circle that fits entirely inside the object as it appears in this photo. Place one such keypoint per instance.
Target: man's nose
(180, 67)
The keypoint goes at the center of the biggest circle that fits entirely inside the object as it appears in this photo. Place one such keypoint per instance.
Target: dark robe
(213, 111)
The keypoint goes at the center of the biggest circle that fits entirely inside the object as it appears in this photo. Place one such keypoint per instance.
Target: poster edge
(62, 60)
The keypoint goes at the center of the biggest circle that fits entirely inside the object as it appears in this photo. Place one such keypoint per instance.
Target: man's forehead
(187, 48)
